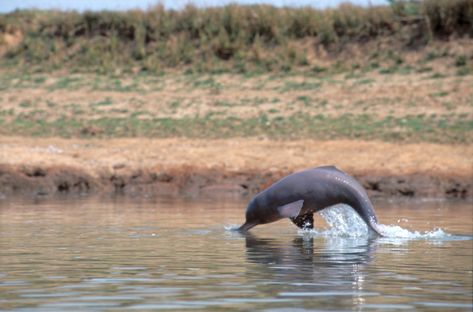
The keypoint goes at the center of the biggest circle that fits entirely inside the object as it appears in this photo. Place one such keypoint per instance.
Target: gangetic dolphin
(300, 194)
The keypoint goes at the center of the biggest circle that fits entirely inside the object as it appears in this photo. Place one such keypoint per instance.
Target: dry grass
(223, 96)
(414, 106)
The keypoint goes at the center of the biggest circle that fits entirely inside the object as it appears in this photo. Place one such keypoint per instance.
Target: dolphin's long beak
(245, 227)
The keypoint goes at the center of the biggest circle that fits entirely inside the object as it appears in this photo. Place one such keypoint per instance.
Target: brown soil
(9, 40)
(236, 167)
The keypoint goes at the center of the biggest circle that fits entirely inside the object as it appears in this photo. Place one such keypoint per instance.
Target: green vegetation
(406, 129)
(277, 107)
(399, 73)
(235, 38)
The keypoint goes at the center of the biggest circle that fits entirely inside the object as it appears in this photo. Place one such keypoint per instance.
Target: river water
(122, 254)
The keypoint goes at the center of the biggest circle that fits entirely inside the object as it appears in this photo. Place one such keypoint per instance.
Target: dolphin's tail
(246, 226)
(375, 227)
(366, 212)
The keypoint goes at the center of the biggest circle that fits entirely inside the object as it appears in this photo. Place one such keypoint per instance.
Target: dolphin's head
(258, 212)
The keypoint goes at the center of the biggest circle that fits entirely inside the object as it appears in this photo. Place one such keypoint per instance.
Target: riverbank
(218, 168)
(221, 118)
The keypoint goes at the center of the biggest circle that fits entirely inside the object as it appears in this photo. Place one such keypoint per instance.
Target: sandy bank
(236, 167)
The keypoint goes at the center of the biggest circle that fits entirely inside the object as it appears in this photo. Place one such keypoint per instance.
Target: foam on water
(395, 231)
(344, 221)
(231, 227)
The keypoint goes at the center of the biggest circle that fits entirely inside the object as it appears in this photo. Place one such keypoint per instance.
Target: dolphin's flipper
(304, 221)
(291, 210)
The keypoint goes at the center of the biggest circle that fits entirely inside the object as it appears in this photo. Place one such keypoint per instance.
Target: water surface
(122, 254)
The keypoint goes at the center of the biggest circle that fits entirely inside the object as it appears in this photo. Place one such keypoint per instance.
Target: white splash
(395, 231)
(343, 221)
(231, 227)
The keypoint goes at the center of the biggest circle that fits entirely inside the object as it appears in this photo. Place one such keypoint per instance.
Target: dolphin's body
(299, 195)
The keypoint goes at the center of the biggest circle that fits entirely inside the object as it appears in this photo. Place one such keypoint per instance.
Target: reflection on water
(306, 266)
(177, 255)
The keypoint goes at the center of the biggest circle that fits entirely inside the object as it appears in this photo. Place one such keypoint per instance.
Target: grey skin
(299, 195)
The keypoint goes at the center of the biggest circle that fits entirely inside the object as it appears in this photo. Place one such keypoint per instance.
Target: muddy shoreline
(47, 181)
(236, 168)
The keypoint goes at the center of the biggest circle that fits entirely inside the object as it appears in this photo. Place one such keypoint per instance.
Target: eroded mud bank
(190, 181)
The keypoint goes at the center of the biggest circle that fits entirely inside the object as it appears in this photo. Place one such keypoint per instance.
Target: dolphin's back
(322, 184)
(320, 188)
(354, 195)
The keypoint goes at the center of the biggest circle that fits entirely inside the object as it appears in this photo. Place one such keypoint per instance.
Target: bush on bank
(230, 38)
